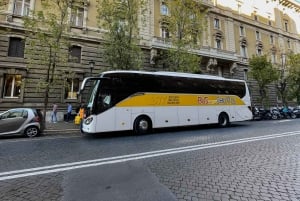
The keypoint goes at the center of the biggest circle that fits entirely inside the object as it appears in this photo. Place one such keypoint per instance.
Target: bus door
(105, 119)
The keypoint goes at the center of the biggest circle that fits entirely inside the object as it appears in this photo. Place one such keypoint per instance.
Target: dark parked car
(24, 121)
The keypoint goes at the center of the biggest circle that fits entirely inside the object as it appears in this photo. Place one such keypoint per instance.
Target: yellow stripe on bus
(165, 99)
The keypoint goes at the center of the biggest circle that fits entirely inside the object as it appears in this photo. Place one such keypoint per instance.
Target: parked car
(24, 121)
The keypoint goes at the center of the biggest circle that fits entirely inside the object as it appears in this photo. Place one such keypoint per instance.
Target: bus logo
(202, 100)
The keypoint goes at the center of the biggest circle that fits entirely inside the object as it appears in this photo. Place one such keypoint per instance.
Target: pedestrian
(69, 112)
(81, 115)
(54, 112)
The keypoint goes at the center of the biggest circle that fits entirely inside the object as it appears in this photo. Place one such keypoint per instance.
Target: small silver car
(25, 121)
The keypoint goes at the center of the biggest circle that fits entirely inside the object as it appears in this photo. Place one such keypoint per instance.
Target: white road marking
(138, 156)
(281, 121)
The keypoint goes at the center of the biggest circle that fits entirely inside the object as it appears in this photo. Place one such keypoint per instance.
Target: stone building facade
(229, 40)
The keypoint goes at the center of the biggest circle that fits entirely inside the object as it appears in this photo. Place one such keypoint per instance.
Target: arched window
(164, 10)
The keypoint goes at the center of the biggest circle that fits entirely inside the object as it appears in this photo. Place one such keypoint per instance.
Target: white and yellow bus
(142, 101)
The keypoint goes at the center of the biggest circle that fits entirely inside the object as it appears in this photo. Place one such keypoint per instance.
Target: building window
(257, 35)
(286, 25)
(12, 86)
(218, 43)
(273, 58)
(245, 74)
(289, 43)
(164, 10)
(77, 17)
(71, 88)
(271, 39)
(16, 47)
(75, 54)
(217, 23)
(243, 51)
(259, 51)
(165, 32)
(22, 7)
(242, 31)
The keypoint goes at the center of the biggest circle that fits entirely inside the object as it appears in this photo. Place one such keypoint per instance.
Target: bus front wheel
(223, 120)
(142, 125)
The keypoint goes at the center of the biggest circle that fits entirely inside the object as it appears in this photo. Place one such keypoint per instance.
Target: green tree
(120, 19)
(185, 23)
(282, 82)
(263, 72)
(294, 77)
(47, 40)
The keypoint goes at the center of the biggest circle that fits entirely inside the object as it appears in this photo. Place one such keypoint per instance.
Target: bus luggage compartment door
(123, 118)
(166, 116)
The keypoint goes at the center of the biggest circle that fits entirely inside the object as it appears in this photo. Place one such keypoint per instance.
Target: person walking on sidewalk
(69, 112)
(54, 112)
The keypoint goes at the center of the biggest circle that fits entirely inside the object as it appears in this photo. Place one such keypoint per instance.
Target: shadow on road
(120, 134)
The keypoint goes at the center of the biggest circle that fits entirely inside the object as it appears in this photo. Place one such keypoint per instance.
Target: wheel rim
(32, 132)
(143, 125)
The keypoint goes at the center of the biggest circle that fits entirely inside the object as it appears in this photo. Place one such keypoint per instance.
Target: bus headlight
(88, 120)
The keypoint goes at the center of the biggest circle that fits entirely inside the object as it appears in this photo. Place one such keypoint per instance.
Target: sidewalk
(61, 127)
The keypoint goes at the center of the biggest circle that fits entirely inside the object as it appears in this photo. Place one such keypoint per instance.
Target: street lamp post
(91, 65)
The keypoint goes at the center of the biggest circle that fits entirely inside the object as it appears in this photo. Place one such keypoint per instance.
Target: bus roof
(172, 74)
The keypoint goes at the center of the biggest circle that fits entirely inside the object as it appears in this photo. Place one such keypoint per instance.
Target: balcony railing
(165, 43)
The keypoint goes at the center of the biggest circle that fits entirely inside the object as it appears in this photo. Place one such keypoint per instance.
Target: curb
(60, 131)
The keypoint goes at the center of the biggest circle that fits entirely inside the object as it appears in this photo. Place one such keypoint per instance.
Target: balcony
(206, 51)
(217, 53)
(243, 60)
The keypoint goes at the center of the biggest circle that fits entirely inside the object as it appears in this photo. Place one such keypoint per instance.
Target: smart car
(24, 121)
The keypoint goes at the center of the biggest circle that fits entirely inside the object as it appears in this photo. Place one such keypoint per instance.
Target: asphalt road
(258, 160)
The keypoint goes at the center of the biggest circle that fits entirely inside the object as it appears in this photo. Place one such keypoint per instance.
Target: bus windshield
(92, 94)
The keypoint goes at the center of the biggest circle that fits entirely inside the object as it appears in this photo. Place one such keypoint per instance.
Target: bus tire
(223, 120)
(142, 125)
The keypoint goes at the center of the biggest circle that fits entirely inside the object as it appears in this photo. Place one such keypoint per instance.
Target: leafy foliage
(263, 72)
(185, 24)
(46, 41)
(120, 19)
(294, 77)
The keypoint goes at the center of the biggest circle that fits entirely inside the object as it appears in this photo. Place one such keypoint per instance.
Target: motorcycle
(276, 114)
(296, 111)
(287, 113)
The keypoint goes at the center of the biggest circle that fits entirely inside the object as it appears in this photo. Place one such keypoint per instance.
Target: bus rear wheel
(223, 120)
(142, 125)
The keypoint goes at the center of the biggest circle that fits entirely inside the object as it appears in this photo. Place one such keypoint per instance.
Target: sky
(262, 8)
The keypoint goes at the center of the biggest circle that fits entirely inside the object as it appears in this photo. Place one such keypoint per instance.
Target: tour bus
(141, 101)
